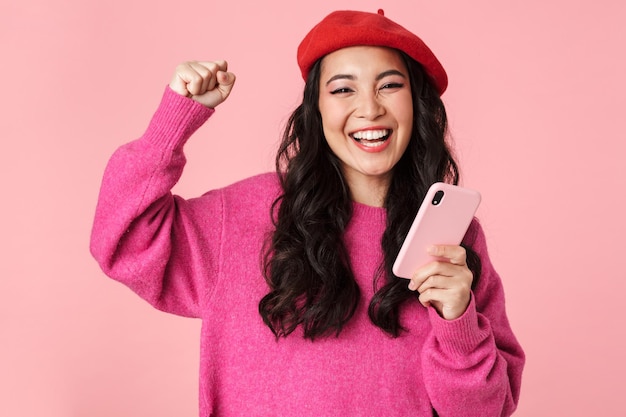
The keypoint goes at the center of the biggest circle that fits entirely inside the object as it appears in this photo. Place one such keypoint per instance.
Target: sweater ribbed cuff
(175, 120)
(459, 336)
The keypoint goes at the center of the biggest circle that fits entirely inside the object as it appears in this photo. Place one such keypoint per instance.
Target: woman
(290, 272)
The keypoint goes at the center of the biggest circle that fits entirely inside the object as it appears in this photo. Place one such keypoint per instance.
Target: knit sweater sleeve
(473, 365)
(143, 235)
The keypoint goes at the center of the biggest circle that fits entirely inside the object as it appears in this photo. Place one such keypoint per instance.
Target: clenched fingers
(445, 284)
(207, 82)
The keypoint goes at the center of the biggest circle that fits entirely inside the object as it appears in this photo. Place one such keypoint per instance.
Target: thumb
(225, 83)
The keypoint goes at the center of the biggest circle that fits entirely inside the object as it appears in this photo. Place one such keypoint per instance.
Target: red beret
(346, 28)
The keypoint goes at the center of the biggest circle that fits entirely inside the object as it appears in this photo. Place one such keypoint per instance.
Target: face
(367, 111)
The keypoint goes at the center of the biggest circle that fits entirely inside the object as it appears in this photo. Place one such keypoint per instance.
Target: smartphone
(442, 219)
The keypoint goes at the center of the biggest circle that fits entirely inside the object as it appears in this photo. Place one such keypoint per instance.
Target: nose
(368, 106)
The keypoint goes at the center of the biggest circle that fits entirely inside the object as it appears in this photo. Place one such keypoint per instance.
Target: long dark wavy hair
(306, 263)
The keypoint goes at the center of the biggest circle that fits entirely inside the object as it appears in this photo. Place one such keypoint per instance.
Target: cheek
(405, 120)
(405, 117)
(407, 109)
(331, 119)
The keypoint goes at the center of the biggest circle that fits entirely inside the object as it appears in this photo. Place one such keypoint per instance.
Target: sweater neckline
(364, 213)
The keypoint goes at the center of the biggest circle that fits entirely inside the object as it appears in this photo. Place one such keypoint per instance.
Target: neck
(370, 191)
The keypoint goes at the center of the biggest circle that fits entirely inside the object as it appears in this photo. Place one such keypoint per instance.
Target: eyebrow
(378, 77)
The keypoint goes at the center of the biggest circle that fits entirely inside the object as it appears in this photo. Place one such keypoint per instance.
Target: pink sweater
(201, 258)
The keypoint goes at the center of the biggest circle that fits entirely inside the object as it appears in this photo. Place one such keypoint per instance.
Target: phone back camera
(437, 198)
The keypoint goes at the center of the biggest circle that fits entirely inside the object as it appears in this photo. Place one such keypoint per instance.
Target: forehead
(361, 59)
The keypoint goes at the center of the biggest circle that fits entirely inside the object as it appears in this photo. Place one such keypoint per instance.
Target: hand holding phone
(442, 219)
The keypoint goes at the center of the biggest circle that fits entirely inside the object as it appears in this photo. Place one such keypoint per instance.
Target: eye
(341, 90)
(392, 86)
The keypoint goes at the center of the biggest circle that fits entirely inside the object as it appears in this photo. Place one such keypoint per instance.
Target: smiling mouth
(371, 138)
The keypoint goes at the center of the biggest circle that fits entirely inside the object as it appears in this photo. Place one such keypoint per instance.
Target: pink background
(536, 104)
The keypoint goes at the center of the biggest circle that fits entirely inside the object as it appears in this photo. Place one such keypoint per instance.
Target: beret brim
(345, 28)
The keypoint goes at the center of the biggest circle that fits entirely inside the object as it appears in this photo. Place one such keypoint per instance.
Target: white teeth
(370, 134)
(372, 144)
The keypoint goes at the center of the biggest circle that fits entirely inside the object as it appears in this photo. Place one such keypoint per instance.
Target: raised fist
(207, 82)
